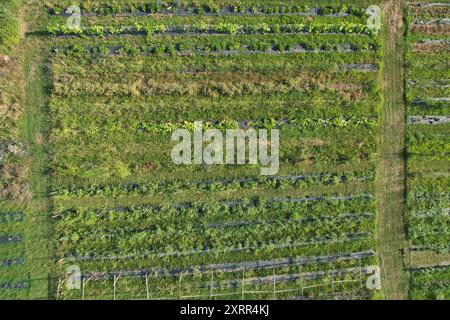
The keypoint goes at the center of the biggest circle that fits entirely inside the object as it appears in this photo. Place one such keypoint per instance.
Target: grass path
(391, 187)
(33, 127)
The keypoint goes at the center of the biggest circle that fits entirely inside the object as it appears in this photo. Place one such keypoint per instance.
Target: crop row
(430, 66)
(179, 109)
(429, 108)
(14, 285)
(214, 84)
(425, 142)
(226, 48)
(6, 239)
(11, 262)
(431, 283)
(308, 204)
(206, 8)
(339, 122)
(137, 29)
(238, 251)
(333, 61)
(427, 197)
(212, 185)
(222, 3)
(186, 43)
(270, 279)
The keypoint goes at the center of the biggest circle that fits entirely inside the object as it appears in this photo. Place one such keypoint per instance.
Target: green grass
(391, 173)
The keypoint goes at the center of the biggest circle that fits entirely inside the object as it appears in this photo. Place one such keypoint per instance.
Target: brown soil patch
(432, 29)
(430, 47)
(434, 10)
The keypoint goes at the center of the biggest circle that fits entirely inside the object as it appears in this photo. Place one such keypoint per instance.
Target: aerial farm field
(88, 185)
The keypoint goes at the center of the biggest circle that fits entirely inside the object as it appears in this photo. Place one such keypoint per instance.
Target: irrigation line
(235, 267)
(436, 213)
(21, 285)
(12, 262)
(428, 4)
(115, 51)
(429, 120)
(8, 239)
(442, 83)
(432, 41)
(132, 33)
(431, 99)
(437, 22)
(422, 234)
(11, 217)
(443, 265)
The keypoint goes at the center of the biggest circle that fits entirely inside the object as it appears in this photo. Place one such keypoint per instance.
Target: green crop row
(429, 108)
(164, 109)
(218, 185)
(428, 146)
(203, 7)
(149, 7)
(428, 222)
(240, 254)
(171, 21)
(431, 283)
(219, 219)
(335, 61)
(432, 66)
(220, 44)
(223, 28)
(222, 41)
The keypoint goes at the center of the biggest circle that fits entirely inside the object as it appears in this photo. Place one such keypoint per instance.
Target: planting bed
(428, 141)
